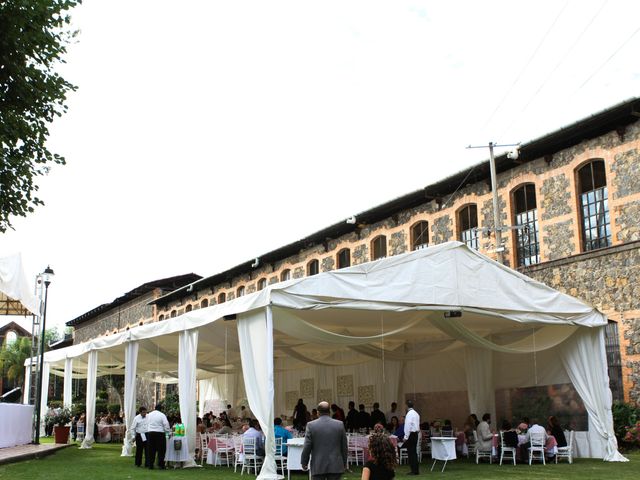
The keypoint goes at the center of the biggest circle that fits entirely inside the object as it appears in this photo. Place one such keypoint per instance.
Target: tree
(33, 41)
(12, 358)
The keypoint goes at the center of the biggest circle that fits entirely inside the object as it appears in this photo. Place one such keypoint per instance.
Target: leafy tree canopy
(13, 356)
(34, 35)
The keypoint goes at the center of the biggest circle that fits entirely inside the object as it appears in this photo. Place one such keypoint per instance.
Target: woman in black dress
(382, 459)
(555, 429)
(300, 416)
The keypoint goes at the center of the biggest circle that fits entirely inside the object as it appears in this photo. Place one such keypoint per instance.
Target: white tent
(16, 296)
(464, 322)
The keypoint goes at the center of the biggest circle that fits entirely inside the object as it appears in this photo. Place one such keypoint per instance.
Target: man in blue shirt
(281, 432)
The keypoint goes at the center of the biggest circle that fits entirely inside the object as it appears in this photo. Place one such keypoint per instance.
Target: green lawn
(104, 462)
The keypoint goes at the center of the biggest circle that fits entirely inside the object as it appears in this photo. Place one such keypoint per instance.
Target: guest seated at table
(226, 428)
(468, 428)
(254, 431)
(200, 428)
(378, 428)
(399, 431)
(555, 429)
(447, 429)
(523, 426)
(485, 435)
(393, 425)
(509, 435)
(280, 432)
(382, 459)
(338, 413)
(475, 420)
(314, 414)
(534, 429)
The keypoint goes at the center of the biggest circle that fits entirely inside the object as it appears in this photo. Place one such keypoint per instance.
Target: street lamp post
(46, 277)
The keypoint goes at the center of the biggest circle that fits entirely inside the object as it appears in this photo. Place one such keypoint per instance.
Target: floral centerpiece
(59, 417)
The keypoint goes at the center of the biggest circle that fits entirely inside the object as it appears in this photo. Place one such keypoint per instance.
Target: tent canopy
(16, 296)
(447, 311)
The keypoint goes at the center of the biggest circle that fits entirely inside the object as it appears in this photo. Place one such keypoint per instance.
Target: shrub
(113, 408)
(626, 416)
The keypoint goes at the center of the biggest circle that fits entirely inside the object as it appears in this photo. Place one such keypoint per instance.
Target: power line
(533, 55)
(564, 57)
(609, 59)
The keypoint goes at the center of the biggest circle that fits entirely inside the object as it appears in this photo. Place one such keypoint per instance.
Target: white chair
(536, 450)
(419, 447)
(471, 445)
(80, 432)
(505, 451)
(251, 459)
(224, 450)
(425, 444)
(355, 451)
(238, 455)
(482, 452)
(204, 447)
(566, 452)
(281, 459)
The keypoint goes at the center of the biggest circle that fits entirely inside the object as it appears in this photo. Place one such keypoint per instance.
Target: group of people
(325, 443)
(150, 429)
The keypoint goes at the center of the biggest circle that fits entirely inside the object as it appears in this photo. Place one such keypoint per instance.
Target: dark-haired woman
(382, 459)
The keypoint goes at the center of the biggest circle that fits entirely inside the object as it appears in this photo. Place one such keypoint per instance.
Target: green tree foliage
(12, 357)
(34, 35)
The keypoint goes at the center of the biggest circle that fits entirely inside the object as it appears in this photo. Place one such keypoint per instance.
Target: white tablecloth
(294, 452)
(15, 424)
(443, 448)
(174, 455)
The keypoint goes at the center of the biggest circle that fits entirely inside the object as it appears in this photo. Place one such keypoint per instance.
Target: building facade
(569, 204)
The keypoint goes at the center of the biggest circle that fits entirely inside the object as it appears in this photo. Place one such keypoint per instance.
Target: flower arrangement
(632, 435)
(58, 416)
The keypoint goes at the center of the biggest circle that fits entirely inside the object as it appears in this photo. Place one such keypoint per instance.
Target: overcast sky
(204, 134)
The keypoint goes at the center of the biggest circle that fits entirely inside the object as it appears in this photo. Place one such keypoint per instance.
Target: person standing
(157, 427)
(377, 416)
(300, 415)
(139, 429)
(393, 412)
(351, 422)
(411, 432)
(325, 441)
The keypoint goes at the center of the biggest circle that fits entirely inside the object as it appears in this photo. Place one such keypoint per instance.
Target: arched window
(344, 258)
(313, 268)
(468, 224)
(594, 205)
(188, 308)
(285, 275)
(222, 297)
(173, 313)
(378, 247)
(419, 235)
(240, 291)
(526, 218)
(204, 303)
(11, 337)
(161, 318)
(262, 283)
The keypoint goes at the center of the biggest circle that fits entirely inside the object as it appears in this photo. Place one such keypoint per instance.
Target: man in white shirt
(139, 429)
(157, 426)
(411, 432)
(533, 429)
(231, 413)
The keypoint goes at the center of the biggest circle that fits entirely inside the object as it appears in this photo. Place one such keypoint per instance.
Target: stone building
(569, 204)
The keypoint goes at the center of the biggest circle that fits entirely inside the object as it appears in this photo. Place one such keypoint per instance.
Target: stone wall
(127, 314)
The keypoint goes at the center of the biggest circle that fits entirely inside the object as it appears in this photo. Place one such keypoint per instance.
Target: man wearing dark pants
(325, 442)
(156, 443)
(411, 432)
(139, 428)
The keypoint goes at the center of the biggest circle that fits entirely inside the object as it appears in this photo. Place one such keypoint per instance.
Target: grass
(104, 462)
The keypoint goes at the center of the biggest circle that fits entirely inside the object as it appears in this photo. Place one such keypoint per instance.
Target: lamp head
(47, 275)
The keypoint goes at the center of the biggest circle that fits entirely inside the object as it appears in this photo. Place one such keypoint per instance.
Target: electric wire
(555, 68)
(524, 69)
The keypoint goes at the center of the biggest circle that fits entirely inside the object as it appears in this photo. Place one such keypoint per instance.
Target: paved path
(29, 451)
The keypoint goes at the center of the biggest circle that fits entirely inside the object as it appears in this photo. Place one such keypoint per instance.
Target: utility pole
(497, 224)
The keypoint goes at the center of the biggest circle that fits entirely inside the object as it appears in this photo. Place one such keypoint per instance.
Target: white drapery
(44, 395)
(130, 369)
(187, 359)
(90, 419)
(27, 384)
(480, 386)
(255, 334)
(67, 397)
(591, 380)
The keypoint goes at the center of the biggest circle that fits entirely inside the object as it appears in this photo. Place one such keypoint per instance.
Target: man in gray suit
(326, 441)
